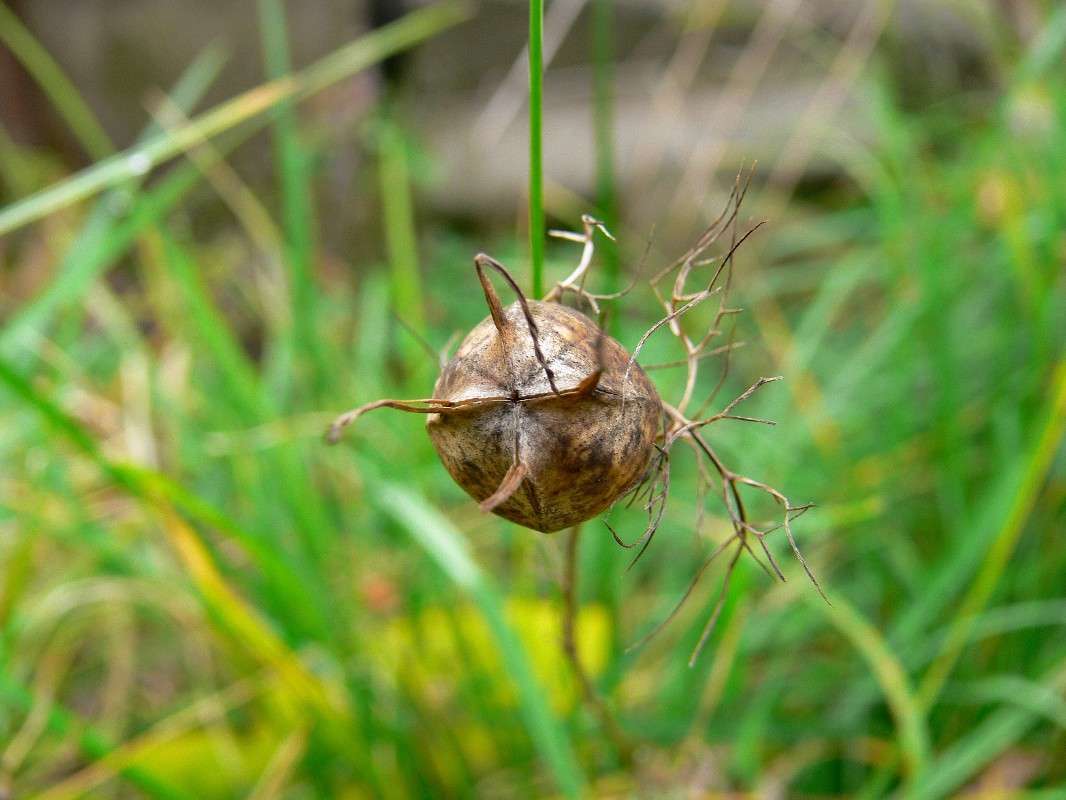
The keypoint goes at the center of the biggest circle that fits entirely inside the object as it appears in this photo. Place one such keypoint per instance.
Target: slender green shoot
(397, 214)
(603, 125)
(293, 166)
(902, 700)
(536, 145)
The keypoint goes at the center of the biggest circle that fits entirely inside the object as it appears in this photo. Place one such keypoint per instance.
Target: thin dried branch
(576, 279)
(429, 405)
(647, 637)
(717, 612)
(420, 340)
(655, 507)
(677, 312)
(681, 430)
(683, 362)
(676, 301)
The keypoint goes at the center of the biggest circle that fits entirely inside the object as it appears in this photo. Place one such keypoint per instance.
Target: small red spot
(379, 594)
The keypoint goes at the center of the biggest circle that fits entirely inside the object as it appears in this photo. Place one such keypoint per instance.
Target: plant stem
(293, 166)
(398, 218)
(619, 739)
(536, 167)
(603, 126)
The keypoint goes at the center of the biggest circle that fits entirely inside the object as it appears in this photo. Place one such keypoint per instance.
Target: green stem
(293, 160)
(536, 167)
(398, 217)
(603, 125)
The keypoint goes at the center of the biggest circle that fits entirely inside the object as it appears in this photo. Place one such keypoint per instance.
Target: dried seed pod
(563, 446)
(547, 421)
(539, 416)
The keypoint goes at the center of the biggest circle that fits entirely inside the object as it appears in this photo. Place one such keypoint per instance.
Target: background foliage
(198, 599)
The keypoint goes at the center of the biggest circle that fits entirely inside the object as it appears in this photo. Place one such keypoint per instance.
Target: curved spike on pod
(493, 299)
(430, 405)
(480, 262)
(508, 486)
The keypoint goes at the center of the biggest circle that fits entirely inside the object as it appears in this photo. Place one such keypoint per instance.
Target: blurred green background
(224, 223)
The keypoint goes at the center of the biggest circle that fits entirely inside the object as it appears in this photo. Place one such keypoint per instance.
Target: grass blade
(127, 756)
(60, 90)
(293, 163)
(603, 125)
(95, 243)
(901, 699)
(243, 389)
(158, 490)
(137, 161)
(1051, 432)
(398, 219)
(249, 630)
(210, 333)
(92, 743)
(445, 545)
(987, 740)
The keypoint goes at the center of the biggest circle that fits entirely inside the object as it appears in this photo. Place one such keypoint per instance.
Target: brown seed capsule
(540, 416)
(545, 457)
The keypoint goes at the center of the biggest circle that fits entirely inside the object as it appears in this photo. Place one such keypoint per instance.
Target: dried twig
(679, 426)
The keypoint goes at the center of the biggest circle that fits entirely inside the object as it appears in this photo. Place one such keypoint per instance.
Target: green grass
(248, 107)
(401, 237)
(197, 597)
(297, 213)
